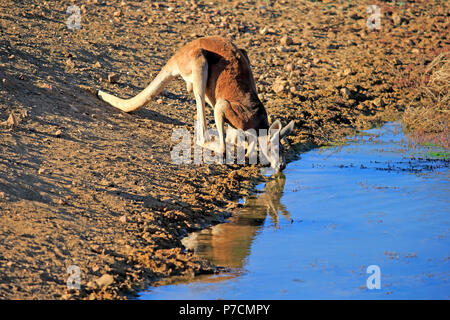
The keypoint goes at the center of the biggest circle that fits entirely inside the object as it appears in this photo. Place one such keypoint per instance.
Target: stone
(347, 72)
(286, 41)
(11, 121)
(263, 31)
(105, 280)
(396, 19)
(58, 133)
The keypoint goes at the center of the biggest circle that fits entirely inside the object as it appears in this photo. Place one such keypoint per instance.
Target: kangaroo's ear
(276, 125)
(274, 131)
(244, 53)
(287, 130)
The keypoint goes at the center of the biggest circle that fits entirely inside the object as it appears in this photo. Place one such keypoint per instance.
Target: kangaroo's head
(275, 153)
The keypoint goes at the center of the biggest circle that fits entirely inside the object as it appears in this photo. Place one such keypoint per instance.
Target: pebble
(105, 280)
(70, 63)
(396, 19)
(286, 41)
(11, 121)
(280, 87)
(263, 31)
(43, 170)
(347, 72)
(58, 133)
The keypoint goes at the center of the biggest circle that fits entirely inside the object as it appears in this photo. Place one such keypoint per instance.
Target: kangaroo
(218, 73)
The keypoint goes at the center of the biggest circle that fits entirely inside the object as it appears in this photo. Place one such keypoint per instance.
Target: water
(312, 233)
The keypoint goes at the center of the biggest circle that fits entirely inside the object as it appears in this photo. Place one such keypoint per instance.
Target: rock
(70, 63)
(280, 86)
(123, 219)
(286, 41)
(43, 170)
(11, 121)
(113, 77)
(263, 31)
(97, 65)
(294, 90)
(396, 19)
(105, 280)
(282, 49)
(58, 133)
(347, 72)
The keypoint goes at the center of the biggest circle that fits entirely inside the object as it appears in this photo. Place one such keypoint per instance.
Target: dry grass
(427, 116)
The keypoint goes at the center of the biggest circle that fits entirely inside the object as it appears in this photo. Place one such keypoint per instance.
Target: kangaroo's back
(229, 76)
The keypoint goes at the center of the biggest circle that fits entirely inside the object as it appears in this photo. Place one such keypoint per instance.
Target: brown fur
(229, 77)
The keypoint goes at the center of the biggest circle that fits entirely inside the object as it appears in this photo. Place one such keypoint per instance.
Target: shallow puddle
(313, 232)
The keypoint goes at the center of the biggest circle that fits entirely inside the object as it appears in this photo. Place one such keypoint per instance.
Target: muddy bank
(83, 184)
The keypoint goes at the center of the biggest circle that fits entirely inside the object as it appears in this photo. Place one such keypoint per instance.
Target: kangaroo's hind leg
(199, 76)
(219, 118)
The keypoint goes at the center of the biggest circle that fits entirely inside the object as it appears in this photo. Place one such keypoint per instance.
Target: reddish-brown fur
(229, 77)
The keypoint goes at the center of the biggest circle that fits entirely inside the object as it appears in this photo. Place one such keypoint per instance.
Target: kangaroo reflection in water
(229, 244)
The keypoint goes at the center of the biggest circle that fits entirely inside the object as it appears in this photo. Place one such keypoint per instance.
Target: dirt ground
(84, 184)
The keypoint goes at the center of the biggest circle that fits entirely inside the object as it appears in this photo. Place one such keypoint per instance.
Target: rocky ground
(83, 184)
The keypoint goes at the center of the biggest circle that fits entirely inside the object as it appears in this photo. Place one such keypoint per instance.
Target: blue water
(312, 233)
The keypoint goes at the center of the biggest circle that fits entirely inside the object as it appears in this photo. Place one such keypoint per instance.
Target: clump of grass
(427, 116)
(444, 155)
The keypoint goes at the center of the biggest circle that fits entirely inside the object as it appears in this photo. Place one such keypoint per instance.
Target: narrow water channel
(313, 232)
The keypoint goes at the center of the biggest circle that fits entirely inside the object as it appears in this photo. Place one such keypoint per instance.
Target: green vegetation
(445, 155)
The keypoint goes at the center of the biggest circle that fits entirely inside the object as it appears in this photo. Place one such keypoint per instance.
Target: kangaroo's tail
(166, 74)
